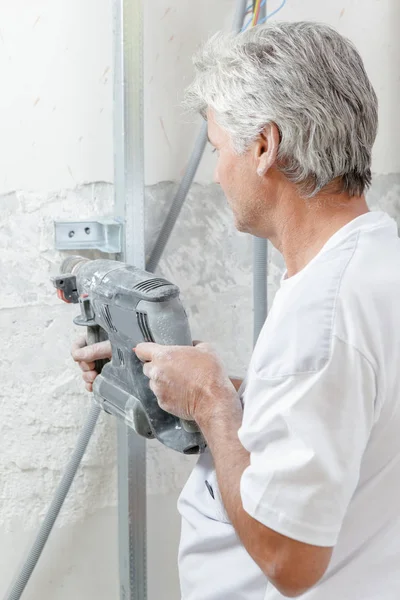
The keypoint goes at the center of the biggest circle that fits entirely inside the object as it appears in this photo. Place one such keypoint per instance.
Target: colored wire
(256, 13)
(273, 13)
(250, 8)
(247, 24)
(254, 20)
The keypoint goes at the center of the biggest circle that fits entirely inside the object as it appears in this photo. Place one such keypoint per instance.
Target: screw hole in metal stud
(71, 234)
(87, 230)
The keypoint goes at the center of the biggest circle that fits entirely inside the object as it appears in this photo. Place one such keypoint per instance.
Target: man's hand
(189, 382)
(86, 356)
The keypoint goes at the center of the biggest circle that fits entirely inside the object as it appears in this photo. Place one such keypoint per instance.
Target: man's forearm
(284, 561)
(230, 458)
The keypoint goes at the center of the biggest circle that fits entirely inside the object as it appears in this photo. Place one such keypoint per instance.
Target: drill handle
(96, 334)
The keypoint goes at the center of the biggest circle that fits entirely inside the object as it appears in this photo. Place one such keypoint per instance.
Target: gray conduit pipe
(178, 200)
(18, 586)
(260, 268)
(260, 298)
(191, 169)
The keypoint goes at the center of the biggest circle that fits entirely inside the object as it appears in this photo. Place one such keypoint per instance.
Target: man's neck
(304, 226)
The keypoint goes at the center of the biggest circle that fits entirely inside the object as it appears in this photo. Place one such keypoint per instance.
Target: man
(301, 484)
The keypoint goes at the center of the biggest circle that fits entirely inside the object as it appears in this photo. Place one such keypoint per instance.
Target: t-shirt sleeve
(306, 434)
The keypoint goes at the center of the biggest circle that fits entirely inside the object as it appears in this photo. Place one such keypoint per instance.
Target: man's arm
(191, 383)
(291, 566)
(305, 450)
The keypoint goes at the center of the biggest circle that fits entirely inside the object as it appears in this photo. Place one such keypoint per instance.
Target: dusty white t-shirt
(322, 424)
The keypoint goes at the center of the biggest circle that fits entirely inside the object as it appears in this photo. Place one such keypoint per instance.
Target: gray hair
(308, 80)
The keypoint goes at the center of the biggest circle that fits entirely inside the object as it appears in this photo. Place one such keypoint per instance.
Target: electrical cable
(273, 13)
(264, 19)
(16, 590)
(256, 13)
(260, 263)
(190, 172)
(250, 7)
(247, 24)
(255, 10)
(260, 245)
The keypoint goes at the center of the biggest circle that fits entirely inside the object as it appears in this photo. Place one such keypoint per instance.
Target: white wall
(56, 134)
(56, 93)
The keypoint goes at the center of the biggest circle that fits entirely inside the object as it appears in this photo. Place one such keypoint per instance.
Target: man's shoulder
(297, 336)
(348, 291)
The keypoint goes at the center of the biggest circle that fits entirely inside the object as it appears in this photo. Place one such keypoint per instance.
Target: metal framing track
(129, 208)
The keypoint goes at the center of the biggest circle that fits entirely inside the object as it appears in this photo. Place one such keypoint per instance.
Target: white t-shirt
(322, 424)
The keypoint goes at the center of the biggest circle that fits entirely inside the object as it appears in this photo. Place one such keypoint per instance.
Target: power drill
(127, 305)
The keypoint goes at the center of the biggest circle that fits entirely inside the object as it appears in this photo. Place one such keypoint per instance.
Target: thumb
(146, 351)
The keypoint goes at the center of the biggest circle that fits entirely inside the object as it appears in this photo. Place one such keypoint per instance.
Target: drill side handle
(94, 335)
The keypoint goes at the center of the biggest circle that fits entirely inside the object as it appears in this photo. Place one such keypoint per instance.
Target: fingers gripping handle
(96, 334)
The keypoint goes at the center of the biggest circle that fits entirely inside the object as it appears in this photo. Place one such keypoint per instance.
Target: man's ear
(266, 148)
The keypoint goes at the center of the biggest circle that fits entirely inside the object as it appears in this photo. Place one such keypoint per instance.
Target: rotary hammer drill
(127, 305)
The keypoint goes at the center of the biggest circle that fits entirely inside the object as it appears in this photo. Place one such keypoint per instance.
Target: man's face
(237, 175)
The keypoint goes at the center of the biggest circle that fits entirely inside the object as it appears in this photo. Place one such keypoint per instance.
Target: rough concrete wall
(43, 404)
(42, 393)
(42, 397)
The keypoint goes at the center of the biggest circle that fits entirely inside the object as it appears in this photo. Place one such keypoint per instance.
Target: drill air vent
(107, 317)
(150, 284)
(144, 326)
(120, 357)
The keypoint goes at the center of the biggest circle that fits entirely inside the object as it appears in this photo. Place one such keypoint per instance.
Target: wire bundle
(254, 9)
